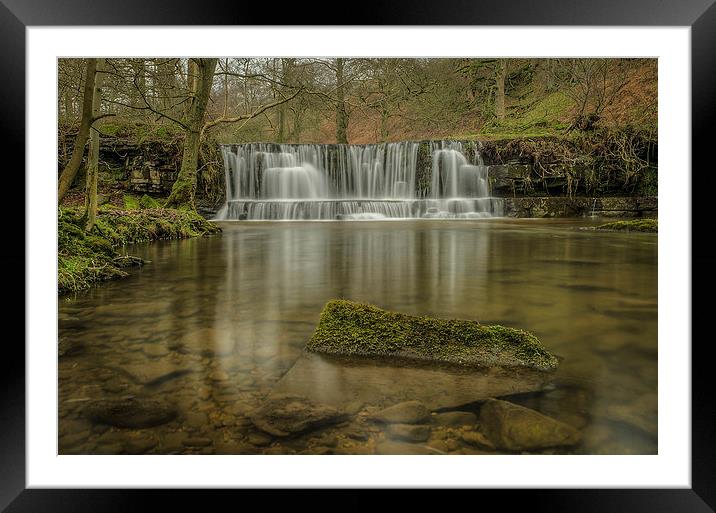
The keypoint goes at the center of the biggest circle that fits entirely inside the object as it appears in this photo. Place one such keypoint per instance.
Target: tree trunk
(500, 91)
(140, 80)
(184, 188)
(93, 153)
(69, 108)
(70, 171)
(384, 115)
(341, 113)
(192, 82)
(286, 78)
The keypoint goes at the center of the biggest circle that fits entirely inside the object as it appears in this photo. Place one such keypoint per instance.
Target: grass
(632, 225)
(357, 329)
(85, 259)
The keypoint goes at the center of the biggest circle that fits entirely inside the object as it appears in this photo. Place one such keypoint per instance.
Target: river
(256, 293)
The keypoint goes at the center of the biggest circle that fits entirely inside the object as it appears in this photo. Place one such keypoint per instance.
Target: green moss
(86, 259)
(147, 201)
(632, 225)
(349, 328)
(130, 202)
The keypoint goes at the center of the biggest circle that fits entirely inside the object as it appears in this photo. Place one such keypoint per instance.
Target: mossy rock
(632, 225)
(131, 202)
(355, 329)
(147, 201)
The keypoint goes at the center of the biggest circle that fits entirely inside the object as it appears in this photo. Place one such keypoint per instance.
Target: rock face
(285, 415)
(409, 412)
(131, 413)
(348, 328)
(563, 206)
(516, 428)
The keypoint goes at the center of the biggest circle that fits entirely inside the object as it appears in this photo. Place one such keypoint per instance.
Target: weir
(401, 180)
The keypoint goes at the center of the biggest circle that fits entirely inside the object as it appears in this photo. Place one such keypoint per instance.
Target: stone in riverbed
(155, 350)
(259, 439)
(130, 413)
(343, 382)
(409, 412)
(477, 438)
(392, 447)
(197, 442)
(284, 415)
(409, 432)
(455, 418)
(70, 347)
(516, 428)
(354, 329)
(207, 342)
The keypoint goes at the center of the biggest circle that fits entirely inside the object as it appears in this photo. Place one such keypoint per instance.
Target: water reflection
(213, 324)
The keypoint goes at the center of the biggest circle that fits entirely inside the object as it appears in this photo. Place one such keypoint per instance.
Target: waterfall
(374, 181)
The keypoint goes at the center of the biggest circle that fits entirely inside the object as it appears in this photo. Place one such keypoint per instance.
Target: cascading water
(458, 188)
(314, 181)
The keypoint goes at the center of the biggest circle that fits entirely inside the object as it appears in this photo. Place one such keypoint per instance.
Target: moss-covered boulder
(355, 329)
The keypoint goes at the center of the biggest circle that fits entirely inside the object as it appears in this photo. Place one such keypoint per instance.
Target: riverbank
(85, 259)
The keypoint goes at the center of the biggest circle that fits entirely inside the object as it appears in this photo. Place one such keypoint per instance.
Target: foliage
(383, 99)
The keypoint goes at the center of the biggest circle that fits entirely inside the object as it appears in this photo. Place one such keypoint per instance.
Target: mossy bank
(356, 329)
(85, 259)
(632, 225)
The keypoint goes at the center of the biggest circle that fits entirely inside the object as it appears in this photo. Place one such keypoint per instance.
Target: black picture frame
(700, 15)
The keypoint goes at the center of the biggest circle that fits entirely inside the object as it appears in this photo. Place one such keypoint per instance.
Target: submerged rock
(455, 418)
(207, 342)
(130, 413)
(284, 415)
(516, 428)
(409, 432)
(356, 329)
(409, 412)
(477, 438)
(393, 447)
(70, 347)
(345, 382)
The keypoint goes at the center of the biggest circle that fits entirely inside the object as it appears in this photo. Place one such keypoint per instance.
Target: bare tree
(93, 153)
(341, 112)
(592, 84)
(184, 188)
(70, 171)
(500, 76)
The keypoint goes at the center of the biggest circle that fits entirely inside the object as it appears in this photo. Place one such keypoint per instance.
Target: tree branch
(259, 110)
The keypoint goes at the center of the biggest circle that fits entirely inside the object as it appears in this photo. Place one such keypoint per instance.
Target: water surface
(253, 295)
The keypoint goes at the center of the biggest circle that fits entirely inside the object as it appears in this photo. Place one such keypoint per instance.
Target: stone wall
(561, 206)
(146, 167)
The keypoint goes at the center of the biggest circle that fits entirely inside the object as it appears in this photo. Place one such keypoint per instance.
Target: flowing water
(267, 181)
(253, 296)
